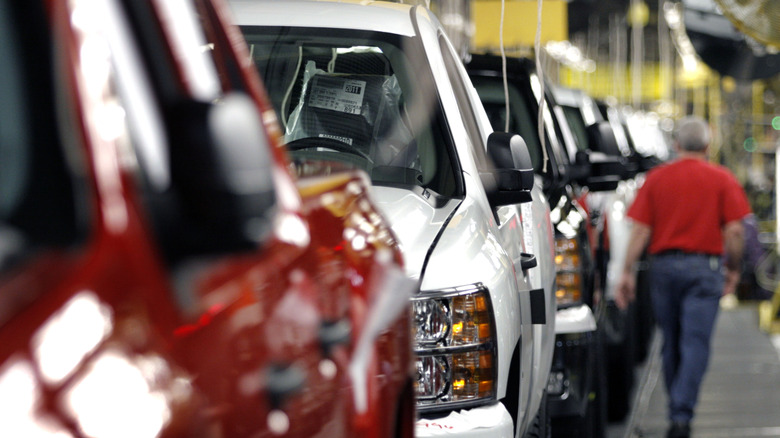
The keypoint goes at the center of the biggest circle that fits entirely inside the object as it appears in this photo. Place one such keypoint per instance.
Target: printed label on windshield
(337, 94)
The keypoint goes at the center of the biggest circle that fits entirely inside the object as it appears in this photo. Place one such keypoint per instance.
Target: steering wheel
(327, 143)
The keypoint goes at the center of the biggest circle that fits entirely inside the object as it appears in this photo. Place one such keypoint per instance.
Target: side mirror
(601, 138)
(648, 162)
(514, 172)
(221, 171)
(605, 172)
(607, 165)
(579, 169)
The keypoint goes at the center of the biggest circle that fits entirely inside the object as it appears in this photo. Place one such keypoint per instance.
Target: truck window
(352, 100)
(491, 91)
(577, 125)
(467, 112)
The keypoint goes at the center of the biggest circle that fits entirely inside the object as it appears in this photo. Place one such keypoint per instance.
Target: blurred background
(668, 58)
(718, 59)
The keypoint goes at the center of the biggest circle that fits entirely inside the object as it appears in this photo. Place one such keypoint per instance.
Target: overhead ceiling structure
(759, 19)
(737, 38)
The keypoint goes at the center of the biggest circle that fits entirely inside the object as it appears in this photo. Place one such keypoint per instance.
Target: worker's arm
(734, 245)
(637, 242)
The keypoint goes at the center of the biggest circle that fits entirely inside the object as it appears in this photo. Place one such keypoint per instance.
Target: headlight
(455, 344)
(568, 268)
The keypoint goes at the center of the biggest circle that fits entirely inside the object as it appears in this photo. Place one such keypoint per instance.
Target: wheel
(645, 319)
(596, 416)
(620, 361)
(541, 425)
(593, 422)
(405, 417)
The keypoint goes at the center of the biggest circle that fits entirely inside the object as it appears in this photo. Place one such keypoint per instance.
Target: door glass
(491, 91)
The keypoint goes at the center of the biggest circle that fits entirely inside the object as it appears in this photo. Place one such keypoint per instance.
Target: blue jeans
(686, 292)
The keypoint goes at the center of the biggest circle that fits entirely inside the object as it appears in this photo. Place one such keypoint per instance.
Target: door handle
(527, 261)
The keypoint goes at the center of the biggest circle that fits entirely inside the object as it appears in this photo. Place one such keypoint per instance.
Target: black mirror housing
(606, 163)
(648, 162)
(597, 171)
(514, 173)
(601, 138)
(221, 171)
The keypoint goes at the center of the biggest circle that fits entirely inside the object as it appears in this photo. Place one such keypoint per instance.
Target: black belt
(679, 252)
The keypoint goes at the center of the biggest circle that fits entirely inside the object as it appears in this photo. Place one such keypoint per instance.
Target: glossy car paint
(471, 247)
(535, 226)
(575, 325)
(106, 339)
(538, 239)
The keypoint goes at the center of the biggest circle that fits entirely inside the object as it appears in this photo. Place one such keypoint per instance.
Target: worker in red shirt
(686, 214)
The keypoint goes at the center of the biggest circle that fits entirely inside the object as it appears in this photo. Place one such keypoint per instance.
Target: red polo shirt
(686, 203)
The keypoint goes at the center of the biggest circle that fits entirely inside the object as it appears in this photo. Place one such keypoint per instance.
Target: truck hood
(414, 220)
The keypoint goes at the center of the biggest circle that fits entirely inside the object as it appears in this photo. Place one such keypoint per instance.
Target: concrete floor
(740, 396)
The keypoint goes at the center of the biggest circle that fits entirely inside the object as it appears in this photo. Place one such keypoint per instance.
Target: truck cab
(378, 86)
(578, 394)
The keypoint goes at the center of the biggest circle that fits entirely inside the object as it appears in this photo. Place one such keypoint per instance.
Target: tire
(512, 400)
(405, 413)
(621, 360)
(596, 416)
(541, 425)
(593, 423)
(645, 319)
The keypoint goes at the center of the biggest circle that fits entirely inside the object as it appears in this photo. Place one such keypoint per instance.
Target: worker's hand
(626, 290)
(730, 281)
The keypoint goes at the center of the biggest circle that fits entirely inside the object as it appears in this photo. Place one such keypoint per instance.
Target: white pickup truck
(377, 86)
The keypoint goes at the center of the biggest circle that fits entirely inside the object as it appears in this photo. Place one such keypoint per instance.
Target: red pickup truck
(161, 271)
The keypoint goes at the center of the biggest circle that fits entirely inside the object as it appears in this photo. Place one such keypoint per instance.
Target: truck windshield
(351, 100)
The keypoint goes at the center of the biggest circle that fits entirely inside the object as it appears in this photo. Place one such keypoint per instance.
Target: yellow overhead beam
(519, 23)
(656, 81)
(601, 82)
